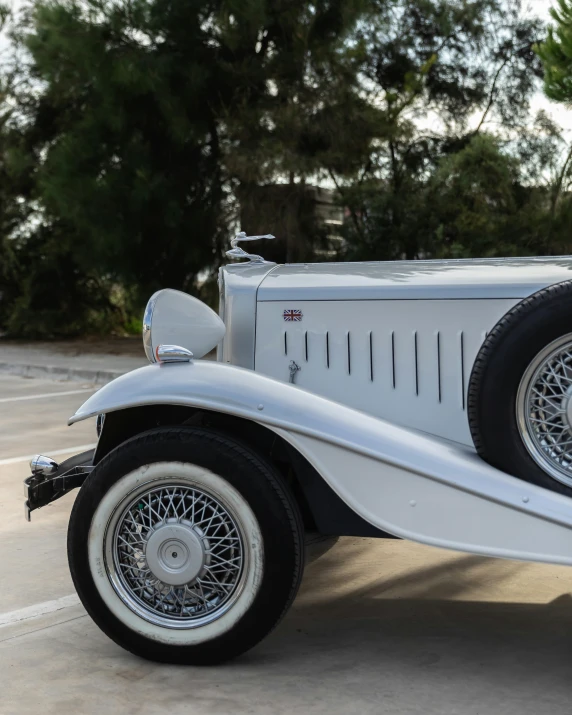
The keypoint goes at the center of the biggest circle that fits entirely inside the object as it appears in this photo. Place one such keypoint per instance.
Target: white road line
(47, 394)
(31, 629)
(40, 609)
(53, 453)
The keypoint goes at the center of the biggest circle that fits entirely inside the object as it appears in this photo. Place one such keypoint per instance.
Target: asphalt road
(378, 626)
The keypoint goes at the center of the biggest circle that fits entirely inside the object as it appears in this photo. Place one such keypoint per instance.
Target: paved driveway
(378, 627)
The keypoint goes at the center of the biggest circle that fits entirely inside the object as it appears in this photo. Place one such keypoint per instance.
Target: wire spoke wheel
(175, 554)
(544, 409)
(185, 546)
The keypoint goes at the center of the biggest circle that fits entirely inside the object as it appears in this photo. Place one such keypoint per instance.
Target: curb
(56, 372)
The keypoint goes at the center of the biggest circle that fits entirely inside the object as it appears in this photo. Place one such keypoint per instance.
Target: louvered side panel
(406, 361)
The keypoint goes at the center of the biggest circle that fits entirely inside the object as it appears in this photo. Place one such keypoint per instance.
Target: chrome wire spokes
(544, 409)
(178, 553)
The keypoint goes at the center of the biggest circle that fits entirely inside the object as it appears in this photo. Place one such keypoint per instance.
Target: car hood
(416, 280)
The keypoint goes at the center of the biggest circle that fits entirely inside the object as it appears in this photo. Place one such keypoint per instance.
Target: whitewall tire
(520, 391)
(185, 546)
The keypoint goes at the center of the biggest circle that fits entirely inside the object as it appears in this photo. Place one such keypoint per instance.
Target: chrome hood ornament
(237, 252)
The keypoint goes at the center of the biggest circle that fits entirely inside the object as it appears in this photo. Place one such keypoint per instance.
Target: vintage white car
(425, 400)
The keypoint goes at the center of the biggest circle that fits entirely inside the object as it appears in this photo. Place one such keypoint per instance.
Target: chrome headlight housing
(177, 319)
(147, 323)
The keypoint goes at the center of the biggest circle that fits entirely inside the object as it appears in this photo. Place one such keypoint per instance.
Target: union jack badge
(293, 316)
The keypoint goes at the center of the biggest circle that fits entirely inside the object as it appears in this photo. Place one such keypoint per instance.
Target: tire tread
(545, 302)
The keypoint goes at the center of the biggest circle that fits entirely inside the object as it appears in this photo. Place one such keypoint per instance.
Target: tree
(443, 73)
(124, 137)
(14, 211)
(139, 131)
(137, 126)
(556, 54)
(296, 105)
(140, 123)
(476, 204)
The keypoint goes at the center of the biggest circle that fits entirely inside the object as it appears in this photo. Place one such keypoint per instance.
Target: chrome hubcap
(544, 409)
(175, 555)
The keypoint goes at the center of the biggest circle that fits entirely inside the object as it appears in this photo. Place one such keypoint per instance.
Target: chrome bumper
(50, 481)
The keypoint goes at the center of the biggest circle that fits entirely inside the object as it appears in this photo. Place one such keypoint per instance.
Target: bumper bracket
(40, 490)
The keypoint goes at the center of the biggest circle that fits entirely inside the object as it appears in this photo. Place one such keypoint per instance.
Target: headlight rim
(147, 327)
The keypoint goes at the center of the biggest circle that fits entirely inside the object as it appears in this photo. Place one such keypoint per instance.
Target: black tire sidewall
(268, 497)
(497, 374)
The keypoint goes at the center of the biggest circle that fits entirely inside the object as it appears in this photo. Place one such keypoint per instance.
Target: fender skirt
(409, 484)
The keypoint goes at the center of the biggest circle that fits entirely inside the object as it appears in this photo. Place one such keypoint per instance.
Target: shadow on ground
(363, 637)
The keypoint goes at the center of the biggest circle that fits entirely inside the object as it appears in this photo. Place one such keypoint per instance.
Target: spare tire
(520, 391)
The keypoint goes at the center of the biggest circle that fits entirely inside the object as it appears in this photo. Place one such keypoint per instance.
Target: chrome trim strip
(221, 312)
(147, 323)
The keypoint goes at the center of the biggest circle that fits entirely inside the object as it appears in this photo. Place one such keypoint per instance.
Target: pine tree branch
(492, 93)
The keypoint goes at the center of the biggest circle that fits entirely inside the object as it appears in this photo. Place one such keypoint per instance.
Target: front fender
(409, 484)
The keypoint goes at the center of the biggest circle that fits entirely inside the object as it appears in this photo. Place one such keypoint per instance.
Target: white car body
(396, 340)
(406, 484)
(429, 401)
(383, 353)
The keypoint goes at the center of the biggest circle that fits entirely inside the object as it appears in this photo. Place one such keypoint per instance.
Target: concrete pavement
(95, 362)
(378, 627)
(40, 424)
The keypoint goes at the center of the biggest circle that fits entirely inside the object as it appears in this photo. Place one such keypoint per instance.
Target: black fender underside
(322, 509)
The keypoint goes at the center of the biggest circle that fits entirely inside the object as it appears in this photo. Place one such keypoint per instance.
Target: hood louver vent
(406, 361)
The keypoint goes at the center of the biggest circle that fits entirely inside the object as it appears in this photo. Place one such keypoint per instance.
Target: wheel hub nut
(175, 554)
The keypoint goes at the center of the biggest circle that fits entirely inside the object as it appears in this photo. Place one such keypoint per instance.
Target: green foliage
(473, 201)
(471, 180)
(472, 205)
(556, 54)
(133, 326)
(57, 300)
(126, 139)
(134, 134)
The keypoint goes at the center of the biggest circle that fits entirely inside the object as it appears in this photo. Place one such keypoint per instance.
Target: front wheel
(185, 546)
